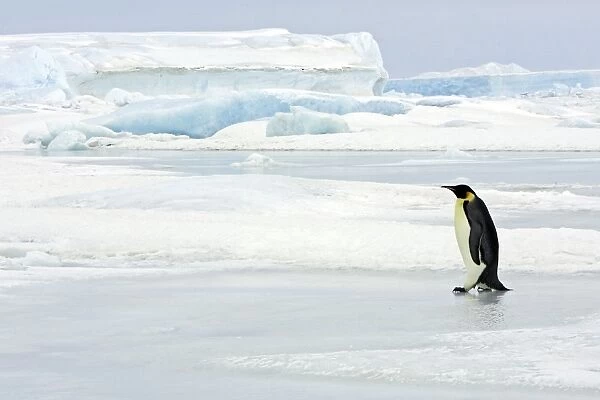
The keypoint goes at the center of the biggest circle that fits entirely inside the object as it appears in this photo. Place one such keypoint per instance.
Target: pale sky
(414, 36)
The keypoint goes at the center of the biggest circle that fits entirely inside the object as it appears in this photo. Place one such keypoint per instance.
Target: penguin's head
(463, 192)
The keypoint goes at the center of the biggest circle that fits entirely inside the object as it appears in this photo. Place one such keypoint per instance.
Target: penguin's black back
(483, 242)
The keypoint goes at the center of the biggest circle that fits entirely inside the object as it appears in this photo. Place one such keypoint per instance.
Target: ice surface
(551, 82)
(198, 62)
(203, 117)
(302, 121)
(258, 286)
(531, 363)
(263, 335)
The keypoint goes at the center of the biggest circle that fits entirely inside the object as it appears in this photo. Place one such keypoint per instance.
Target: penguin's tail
(494, 283)
(499, 286)
(490, 278)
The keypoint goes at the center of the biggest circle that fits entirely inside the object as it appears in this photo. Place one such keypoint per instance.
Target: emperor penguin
(477, 240)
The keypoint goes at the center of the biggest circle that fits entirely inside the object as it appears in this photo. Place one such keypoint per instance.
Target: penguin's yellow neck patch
(470, 196)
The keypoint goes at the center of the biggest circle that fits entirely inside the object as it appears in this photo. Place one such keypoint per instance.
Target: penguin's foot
(481, 289)
(459, 289)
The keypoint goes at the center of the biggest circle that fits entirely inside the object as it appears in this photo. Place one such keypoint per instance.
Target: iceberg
(203, 117)
(69, 135)
(194, 63)
(497, 84)
(31, 74)
(491, 68)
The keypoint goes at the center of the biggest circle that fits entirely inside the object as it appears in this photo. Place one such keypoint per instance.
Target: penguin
(477, 240)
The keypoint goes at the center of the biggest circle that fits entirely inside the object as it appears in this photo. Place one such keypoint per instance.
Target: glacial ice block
(203, 117)
(194, 63)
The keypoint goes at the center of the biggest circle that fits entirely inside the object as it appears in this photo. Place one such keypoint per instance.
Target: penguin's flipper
(475, 241)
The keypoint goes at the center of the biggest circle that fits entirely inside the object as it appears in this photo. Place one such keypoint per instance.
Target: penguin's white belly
(462, 230)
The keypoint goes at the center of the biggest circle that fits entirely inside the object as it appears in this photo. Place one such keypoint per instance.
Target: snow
(203, 117)
(318, 222)
(194, 63)
(301, 121)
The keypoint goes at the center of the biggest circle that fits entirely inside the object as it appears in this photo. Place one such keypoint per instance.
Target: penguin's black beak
(452, 188)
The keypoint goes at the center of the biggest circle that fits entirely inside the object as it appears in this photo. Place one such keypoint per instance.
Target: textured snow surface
(188, 221)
